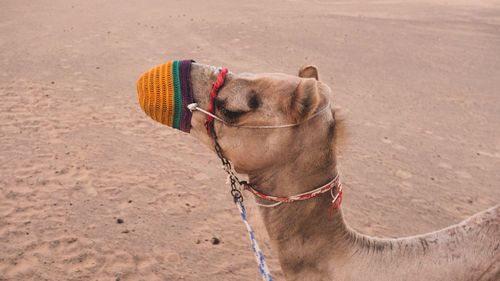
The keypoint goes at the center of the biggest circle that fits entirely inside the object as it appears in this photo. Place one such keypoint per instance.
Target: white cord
(194, 106)
(337, 195)
(268, 205)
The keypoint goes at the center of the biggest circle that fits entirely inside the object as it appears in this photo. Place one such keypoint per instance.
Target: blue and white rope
(259, 256)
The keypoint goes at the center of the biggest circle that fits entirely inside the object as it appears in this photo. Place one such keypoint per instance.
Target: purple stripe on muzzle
(186, 93)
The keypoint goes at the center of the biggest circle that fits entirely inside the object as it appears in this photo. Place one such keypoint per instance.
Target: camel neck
(303, 230)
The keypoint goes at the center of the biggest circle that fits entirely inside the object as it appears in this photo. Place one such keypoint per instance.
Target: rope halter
(329, 187)
(210, 112)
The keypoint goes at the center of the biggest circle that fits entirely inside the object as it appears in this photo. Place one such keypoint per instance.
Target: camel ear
(305, 100)
(309, 71)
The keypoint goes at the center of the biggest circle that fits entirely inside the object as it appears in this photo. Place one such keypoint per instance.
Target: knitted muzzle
(164, 93)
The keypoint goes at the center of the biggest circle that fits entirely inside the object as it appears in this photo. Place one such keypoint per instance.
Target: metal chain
(238, 200)
(235, 191)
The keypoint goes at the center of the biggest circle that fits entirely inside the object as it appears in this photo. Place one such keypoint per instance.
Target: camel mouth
(164, 93)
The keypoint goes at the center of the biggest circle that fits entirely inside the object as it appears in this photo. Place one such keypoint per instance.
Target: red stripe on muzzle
(221, 78)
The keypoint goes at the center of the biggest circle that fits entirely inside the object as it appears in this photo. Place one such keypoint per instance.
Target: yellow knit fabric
(155, 93)
(164, 93)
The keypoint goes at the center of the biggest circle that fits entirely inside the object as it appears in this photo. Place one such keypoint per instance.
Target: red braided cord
(221, 78)
(336, 204)
(308, 195)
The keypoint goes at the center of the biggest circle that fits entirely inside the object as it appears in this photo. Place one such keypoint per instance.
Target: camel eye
(231, 115)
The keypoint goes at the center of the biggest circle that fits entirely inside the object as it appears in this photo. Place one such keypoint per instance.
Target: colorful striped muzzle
(164, 93)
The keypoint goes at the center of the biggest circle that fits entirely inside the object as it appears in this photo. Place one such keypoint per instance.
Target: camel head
(266, 99)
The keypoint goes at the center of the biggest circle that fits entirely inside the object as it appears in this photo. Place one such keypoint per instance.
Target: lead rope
(233, 179)
(238, 200)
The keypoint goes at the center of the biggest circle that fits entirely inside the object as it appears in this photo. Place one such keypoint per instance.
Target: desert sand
(92, 189)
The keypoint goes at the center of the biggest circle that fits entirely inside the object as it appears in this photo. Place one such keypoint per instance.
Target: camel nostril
(164, 93)
(254, 101)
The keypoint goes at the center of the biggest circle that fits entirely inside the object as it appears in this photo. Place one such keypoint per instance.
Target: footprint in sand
(463, 174)
(403, 174)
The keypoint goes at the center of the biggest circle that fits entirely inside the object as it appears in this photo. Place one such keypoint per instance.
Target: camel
(312, 243)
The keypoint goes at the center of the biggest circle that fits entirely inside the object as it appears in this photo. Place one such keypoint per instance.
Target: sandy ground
(419, 81)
